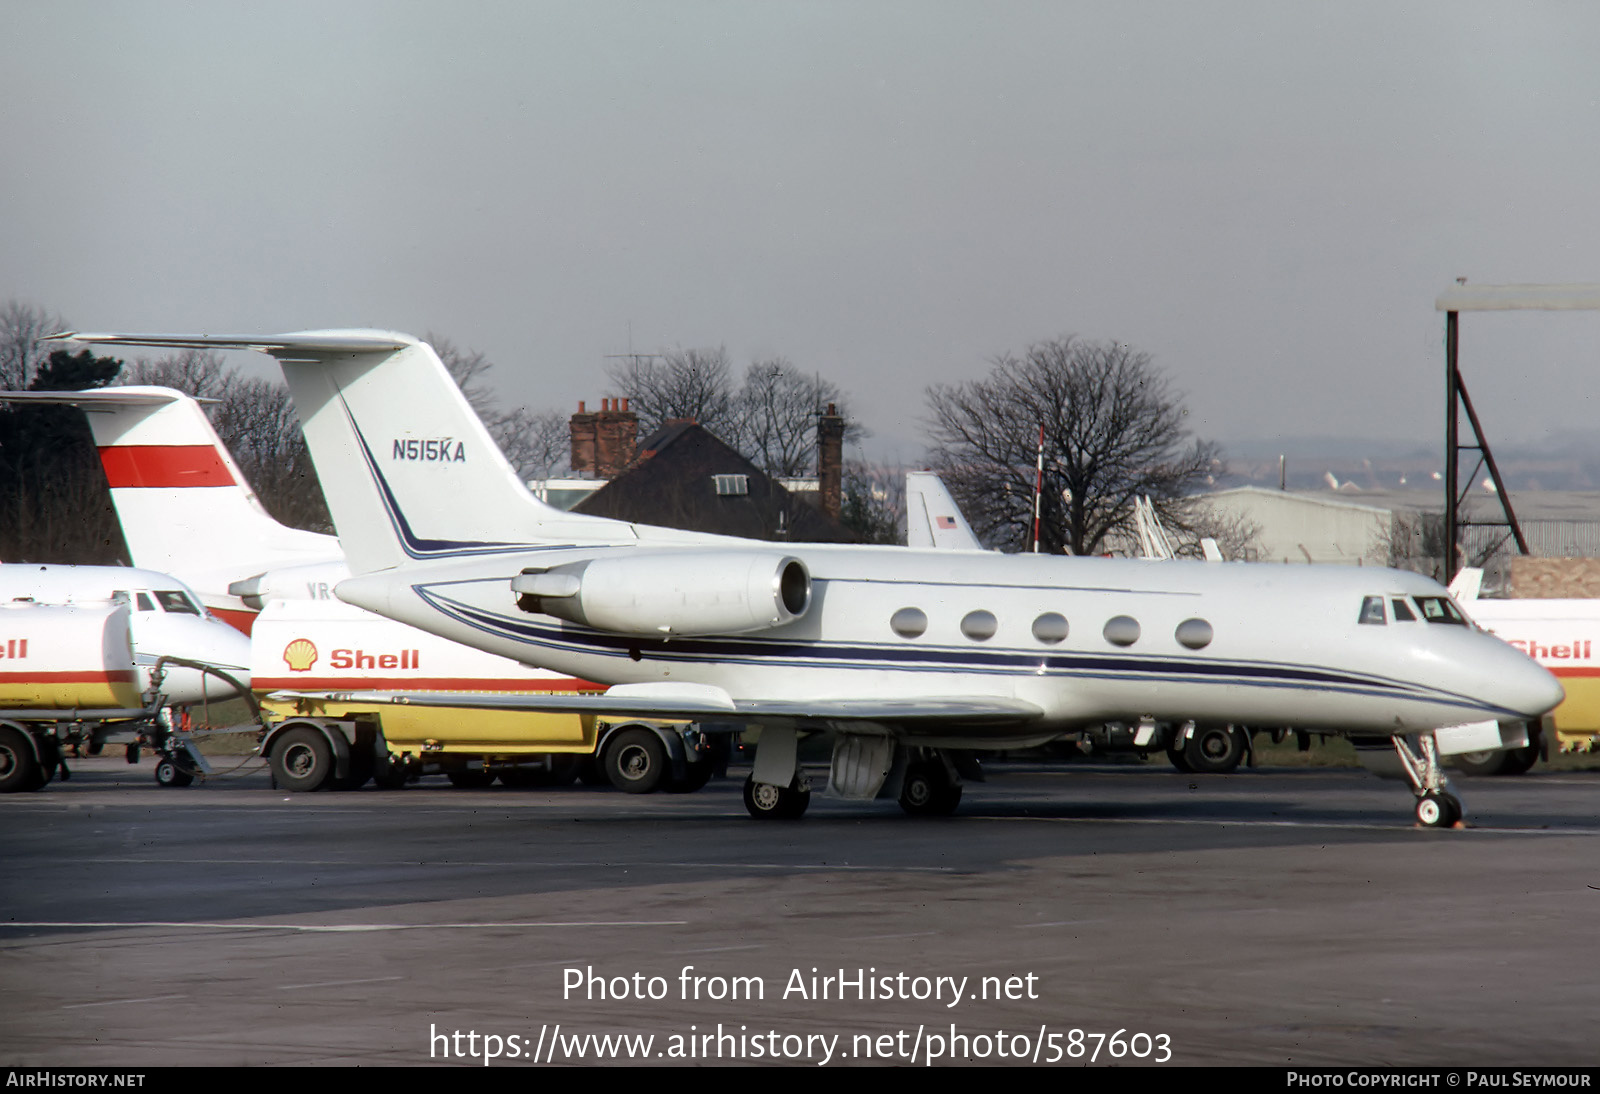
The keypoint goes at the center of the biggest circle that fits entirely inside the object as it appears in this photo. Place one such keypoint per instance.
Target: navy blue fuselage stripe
(775, 653)
(594, 643)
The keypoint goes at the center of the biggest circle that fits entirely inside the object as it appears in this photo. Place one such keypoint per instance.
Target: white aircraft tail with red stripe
(185, 507)
(409, 471)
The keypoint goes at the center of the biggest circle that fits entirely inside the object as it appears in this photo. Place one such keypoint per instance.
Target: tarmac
(1083, 914)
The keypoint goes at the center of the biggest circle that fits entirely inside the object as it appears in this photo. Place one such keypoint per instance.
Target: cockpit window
(174, 601)
(144, 602)
(1439, 609)
(1372, 610)
(1402, 611)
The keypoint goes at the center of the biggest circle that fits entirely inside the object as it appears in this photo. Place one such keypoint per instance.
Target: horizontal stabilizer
(311, 342)
(98, 397)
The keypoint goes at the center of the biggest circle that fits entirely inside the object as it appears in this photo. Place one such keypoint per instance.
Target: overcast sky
(1267, 197)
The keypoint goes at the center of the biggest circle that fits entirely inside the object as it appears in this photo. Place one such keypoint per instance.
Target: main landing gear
(764, 801)
(1437, 807)
(931, 788)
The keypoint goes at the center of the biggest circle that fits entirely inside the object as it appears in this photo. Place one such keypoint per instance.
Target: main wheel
(1436, 809)
(765, 801)
(1214, 750)
(928, 792)
(170, 773)
(636, 761)
(19, 767)
(302, 760)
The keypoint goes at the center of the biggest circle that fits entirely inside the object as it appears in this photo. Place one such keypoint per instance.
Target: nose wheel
(1437, 807)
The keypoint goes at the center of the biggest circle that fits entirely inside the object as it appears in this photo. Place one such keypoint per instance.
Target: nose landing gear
(1437, 807)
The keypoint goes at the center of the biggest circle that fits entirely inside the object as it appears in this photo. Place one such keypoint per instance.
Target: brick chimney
(830, 462)
(603, 443)
(616, 436)
(582, 426)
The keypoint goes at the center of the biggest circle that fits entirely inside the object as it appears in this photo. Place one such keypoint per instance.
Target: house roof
(672, 482)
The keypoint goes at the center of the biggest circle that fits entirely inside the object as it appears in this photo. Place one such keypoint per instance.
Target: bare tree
(686, 383)
(1236, 535)
(202, 373)
(470, 369)
(1416, 541)
(21, 355)
(771, 419)
(258, 423)
(1113, 430)
(874, 502)
(537, 445)
(775, 416)
(53, 501)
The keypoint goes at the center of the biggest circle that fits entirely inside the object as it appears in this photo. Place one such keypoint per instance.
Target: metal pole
(1452, 381)
(1038, 488)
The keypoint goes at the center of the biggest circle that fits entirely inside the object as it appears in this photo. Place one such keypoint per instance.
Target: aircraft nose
(1527, 686)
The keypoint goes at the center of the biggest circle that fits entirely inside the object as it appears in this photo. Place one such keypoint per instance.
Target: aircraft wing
(696, 701)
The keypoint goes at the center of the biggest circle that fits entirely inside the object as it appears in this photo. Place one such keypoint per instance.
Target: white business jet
(901, 654)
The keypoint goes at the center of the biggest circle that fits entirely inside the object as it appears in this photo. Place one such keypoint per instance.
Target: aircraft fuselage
(1247, 643)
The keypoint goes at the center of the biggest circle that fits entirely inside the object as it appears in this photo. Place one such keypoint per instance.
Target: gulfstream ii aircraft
(904, 655)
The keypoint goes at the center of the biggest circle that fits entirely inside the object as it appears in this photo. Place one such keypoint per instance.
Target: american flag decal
(945, 522)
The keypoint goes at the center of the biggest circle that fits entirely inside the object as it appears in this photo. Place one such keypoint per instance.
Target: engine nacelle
(668, 594)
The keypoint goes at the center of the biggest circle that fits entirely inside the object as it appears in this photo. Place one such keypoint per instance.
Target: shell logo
(300, 655)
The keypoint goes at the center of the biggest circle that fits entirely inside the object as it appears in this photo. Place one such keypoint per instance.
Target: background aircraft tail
(409, 471)
(932, 517)
(176, 489)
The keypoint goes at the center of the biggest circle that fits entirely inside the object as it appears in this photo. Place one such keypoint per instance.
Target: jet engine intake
(666, 594)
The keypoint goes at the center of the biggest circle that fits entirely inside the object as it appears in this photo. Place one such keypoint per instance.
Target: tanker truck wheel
(636, 760)
(19, 767)
(302, 759)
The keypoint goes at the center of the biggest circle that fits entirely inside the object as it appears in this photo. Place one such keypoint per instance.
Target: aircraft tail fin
(932, 516)
(409, 471)
(175, 486)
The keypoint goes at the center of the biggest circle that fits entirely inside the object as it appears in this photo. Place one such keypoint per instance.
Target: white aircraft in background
(165, 621)
(901, 654)
(933, 520)
(183, 504)
(186, 509)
